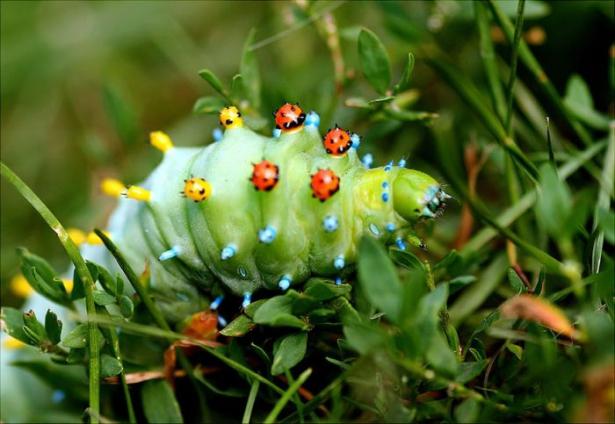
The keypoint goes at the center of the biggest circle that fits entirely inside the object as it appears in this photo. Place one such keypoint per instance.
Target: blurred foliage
(473, 329)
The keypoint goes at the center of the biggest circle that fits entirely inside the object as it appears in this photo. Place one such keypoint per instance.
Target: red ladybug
(265, 175)
(289, 117)
(337, 141)
(324, 184)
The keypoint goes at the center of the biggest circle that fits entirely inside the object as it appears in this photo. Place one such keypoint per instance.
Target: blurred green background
(83, 83)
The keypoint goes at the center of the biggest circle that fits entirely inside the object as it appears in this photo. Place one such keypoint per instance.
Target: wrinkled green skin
(236, 211)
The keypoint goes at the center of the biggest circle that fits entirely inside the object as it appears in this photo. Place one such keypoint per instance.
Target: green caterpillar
(253, 212)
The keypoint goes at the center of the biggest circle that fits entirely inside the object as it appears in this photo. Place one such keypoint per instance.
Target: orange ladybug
(265, 175)
(337, 141)
(324, 184)
(289, 117)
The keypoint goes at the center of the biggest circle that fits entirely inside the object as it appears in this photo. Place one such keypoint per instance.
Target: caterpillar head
(417, 195)
(230, 117)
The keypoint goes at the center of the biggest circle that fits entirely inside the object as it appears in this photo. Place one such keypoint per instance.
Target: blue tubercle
(217, 134)
(339, 262)
(267, 234)
(173, 252)
(385, 184)
(367, 160)
(356, 140)
(228, 252)
(221, 321)
(312, 120)
(330, 223)
(338, 281)
(58, 396)
(276, 132)
(390, 227)
(401, 163)
(216, 303)
(388, 166)
(247, 299)
(400, 244)
(385, 197)
(285, 282)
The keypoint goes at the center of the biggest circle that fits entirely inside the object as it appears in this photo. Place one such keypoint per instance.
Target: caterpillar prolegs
(252, 212)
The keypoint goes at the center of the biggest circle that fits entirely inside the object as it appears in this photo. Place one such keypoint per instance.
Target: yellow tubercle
(139, 193)
(161, 141)
(197, 189)
(12, 343)
(92, 237)
(112, 187)
(230, 117)
(68, 284)
(20, 287)
(76, 235)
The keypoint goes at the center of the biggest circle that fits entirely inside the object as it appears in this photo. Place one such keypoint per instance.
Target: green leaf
(515, 281)
(290, 351)
(321, 289)
(237, 88)
(253, 307)
(108, 283)
(406, 259)
(121, 114)
(606, 220)
(238, 327)
(103, 298)
(33, 328)
(42, 277)
(127, 307)
(468, 371)
(580, 103)
(378, 278)
(515, 350)
(460, 282)
(440, 355)
(53, 327)
(404, 81)
(159, 403)
(554, 201)
(250, 73)
(364, 337)
(78, 291)
(467, 411)
(213, 80)
(276, 312)
(424, 326)
(13, 324)
(77, 337)
(208, 105)
(109, 366)
(374, 61)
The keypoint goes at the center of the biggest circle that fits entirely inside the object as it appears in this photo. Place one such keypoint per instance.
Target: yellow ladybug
(196, 189)
(230, 117)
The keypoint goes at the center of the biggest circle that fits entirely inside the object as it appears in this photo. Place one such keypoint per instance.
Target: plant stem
(247, 414)
(529, 60)
(488, 55)
(152, 308)
(287, 395)
(513, 65)
(470, 94)
(84, 273)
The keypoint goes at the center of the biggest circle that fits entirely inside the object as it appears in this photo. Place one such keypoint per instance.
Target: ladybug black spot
(229, 121)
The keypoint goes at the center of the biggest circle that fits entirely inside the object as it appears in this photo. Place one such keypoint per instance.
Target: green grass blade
(513, 64)
(75, 256)
(530, 61)
(247, 414)
(487, 54)
(287, 395)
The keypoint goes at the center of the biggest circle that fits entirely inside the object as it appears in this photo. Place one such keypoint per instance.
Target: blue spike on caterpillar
(265, 212)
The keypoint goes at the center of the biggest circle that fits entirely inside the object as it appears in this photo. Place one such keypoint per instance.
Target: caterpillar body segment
(274, 236)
